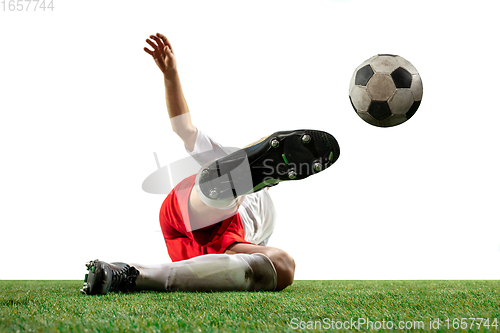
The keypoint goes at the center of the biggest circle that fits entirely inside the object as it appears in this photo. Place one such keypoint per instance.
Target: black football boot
(103, 277)
(287, 155)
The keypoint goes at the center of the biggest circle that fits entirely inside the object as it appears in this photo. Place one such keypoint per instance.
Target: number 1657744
(26, 5)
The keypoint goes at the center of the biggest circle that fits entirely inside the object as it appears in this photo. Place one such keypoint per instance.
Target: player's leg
(211, 272)
(282, 156)
(283, 263)
(201, 215)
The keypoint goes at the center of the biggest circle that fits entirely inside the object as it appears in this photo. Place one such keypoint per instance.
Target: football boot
(282, 156)
(103, 277)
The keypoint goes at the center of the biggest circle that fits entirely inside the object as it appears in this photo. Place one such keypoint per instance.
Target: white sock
(210, 272)
(241, 172)
(220, 204)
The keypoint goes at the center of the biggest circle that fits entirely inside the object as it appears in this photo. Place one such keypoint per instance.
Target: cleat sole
(289, 155)
(93, 281)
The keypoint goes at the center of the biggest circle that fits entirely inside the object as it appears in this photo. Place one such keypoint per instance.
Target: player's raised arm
(178, 110)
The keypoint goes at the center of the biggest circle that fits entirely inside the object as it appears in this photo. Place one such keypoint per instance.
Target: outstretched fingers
(161, 51)
(158, 47)
(165, 41)
(158, 41)
(153, 52)
(148, 51)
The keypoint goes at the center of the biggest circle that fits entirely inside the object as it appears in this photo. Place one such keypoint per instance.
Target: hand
(162, 54)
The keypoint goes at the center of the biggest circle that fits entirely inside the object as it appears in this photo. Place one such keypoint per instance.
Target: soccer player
(216, 223)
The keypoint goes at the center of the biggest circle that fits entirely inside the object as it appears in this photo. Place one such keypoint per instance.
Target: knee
(285, 267)
(283, 262)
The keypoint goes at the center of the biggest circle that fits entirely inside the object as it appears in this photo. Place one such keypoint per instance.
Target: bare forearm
(176, 103)
(178, 110)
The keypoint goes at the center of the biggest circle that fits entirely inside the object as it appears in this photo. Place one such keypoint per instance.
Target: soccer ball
(385, 90)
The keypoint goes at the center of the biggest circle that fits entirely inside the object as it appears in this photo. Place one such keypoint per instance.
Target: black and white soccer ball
(385, 90)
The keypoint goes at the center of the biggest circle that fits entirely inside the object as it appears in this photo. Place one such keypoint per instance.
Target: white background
(82, 111)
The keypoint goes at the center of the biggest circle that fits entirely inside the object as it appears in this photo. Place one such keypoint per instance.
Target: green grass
(58, 306)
